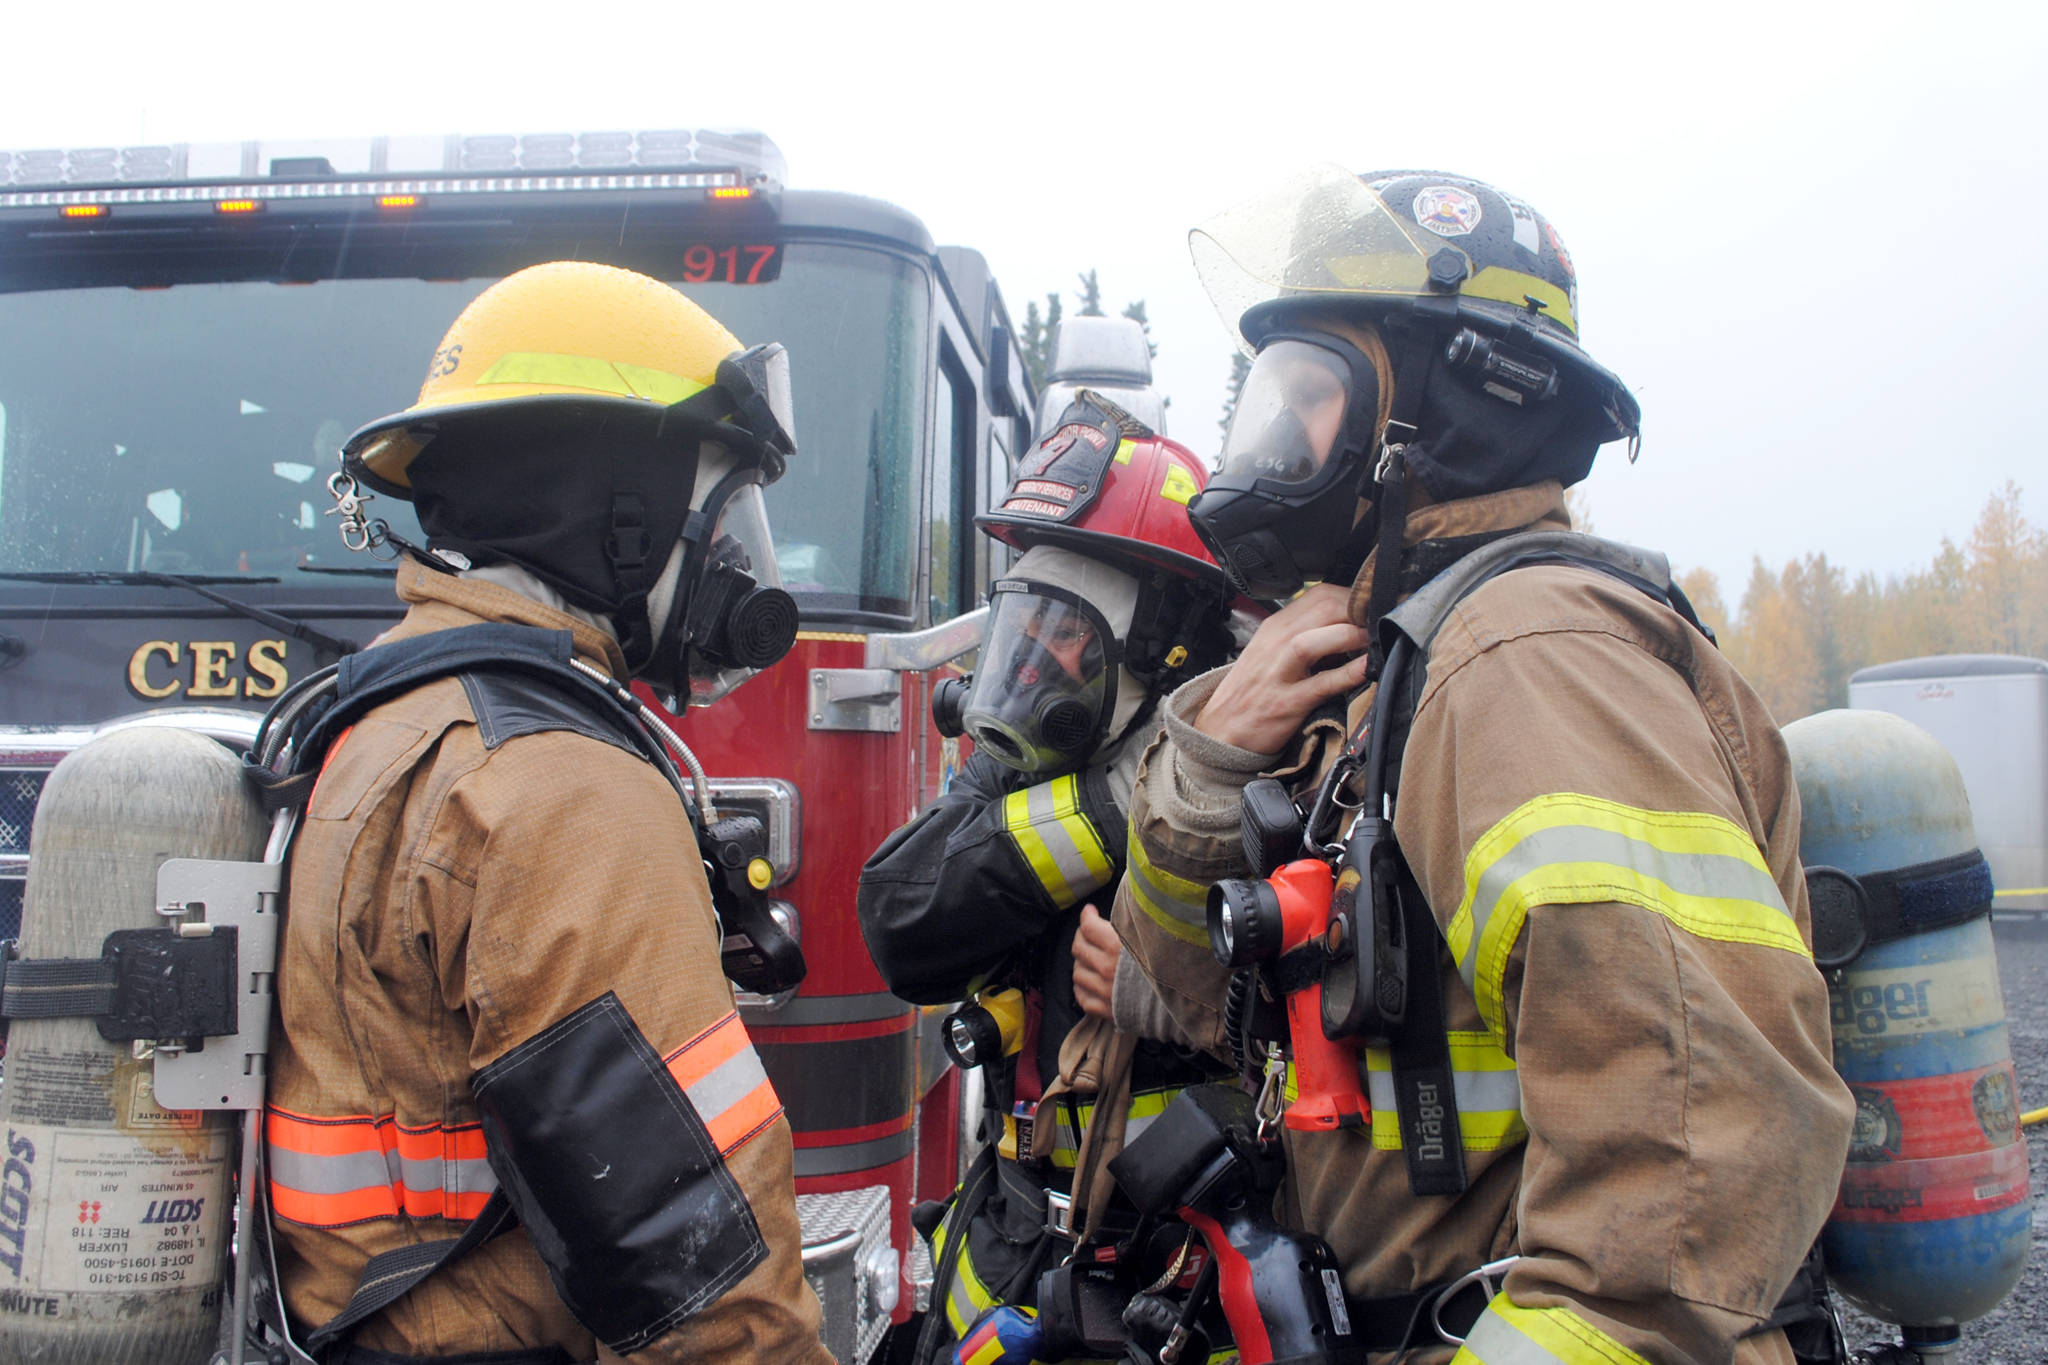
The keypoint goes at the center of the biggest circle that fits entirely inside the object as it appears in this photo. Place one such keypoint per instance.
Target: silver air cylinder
(114, 1212)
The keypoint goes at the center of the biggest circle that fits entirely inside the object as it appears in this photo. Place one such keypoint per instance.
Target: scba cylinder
(114, 1217)
(1932, 1223)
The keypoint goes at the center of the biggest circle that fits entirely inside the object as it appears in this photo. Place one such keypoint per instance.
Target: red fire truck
(187, 333)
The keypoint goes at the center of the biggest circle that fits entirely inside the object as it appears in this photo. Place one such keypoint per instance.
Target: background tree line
(1798, 633)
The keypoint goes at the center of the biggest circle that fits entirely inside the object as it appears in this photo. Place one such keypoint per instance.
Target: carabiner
(1487, 1277)
(1272, 1101)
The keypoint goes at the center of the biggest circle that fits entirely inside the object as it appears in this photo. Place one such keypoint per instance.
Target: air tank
(1932, 1224)
(114, 1217)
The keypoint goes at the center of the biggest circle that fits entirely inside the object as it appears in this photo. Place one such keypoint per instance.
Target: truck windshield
(191, 429)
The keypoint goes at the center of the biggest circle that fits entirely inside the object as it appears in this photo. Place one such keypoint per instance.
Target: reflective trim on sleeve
(1483, 1078)
(1175, 904)
(331, 1172)
(723, 1078)
(1697, 870)
(1060, 842)
(1508, 1335)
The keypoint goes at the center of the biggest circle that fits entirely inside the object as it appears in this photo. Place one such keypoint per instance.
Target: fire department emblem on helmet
(1446, 210)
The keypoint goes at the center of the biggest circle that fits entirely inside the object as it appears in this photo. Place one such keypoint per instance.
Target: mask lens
(1289, 413)
(1041, 689)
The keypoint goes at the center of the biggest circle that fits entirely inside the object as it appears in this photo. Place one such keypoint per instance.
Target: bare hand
(1267, 695)
(1096, 951)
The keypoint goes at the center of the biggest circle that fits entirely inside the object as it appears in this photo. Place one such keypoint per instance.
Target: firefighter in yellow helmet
(500, 992)
(1604, 1127)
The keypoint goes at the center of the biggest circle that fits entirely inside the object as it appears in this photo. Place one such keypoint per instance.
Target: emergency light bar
(709, 159)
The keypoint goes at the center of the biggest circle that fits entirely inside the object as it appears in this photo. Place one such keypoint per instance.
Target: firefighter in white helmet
(1625, 1078)
(500, 989)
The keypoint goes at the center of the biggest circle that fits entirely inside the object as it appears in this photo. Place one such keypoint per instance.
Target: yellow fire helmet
(598, 337)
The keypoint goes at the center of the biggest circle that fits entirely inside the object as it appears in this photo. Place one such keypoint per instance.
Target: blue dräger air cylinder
(1933, 1220)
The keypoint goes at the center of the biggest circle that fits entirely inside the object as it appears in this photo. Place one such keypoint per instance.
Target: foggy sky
(1808, 236)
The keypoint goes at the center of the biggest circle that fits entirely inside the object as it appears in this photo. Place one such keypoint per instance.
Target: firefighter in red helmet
(992, 891)
(1604, 1126)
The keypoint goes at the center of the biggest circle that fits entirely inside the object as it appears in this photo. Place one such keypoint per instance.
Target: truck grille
(19, 790)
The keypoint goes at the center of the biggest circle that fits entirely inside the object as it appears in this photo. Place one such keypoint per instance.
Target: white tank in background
(1991, 712)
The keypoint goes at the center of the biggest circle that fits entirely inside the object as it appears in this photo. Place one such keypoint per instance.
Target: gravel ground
(2016, 1332)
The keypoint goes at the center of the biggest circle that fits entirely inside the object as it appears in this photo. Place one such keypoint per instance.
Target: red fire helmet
(1103, 484)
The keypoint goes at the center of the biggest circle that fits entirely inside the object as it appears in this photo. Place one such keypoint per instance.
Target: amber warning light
(85, 210)
(238, 206)
(398, 201)
(733, 192)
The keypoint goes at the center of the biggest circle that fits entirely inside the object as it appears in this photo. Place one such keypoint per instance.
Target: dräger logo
(1429, 1122)
(16, 1180)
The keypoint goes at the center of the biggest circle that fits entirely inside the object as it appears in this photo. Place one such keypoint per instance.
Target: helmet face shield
(1289, 413)
(1322, 231)
(1045, 686)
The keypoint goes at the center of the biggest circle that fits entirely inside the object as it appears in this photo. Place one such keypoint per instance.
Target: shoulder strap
(519, 679)
(1423, 1078)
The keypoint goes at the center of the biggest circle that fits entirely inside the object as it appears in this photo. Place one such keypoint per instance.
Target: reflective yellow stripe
(1061, 844)
(1508, 1335)
(1175, 904)
(1697, 870)
(968, 1296)
(1123, 451)
(1512, 286)
(1483, 1078)
(1145, 1106)
(590, 372)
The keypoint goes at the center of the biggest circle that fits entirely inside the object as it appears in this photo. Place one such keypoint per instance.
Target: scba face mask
(1046, 685)
(733, 618)
(1280, 508)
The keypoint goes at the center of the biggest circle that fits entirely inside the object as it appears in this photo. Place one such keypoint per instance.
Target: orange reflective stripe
(703, 1054)
(731, 1129)
(721, 1075)
(328, 1172)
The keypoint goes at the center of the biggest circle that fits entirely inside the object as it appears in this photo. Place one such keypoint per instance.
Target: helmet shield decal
(1045, 686)
(1289, 413)
(1320, 232)
(1064, 474)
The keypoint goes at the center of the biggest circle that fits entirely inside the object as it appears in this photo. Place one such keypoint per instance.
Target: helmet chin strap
(1411, 379)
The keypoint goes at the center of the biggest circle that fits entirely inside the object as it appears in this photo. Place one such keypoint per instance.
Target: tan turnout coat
(1680, 1132)
(447, 903)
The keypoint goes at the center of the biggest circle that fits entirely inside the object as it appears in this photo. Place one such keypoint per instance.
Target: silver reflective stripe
(333, 1174)
(1495, 1341)
(1197, 915)
(1477, 1092)
(726, 1084)
(441, 1173)
(1711, 875)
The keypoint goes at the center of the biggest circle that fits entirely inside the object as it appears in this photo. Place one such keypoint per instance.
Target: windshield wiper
(351, 569)
(298, 630)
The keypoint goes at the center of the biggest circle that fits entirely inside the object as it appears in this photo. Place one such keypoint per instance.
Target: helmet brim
(1021, 533)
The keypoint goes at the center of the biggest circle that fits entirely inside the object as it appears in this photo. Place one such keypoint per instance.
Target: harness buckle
(1059, 1214)
(1487, 1277)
